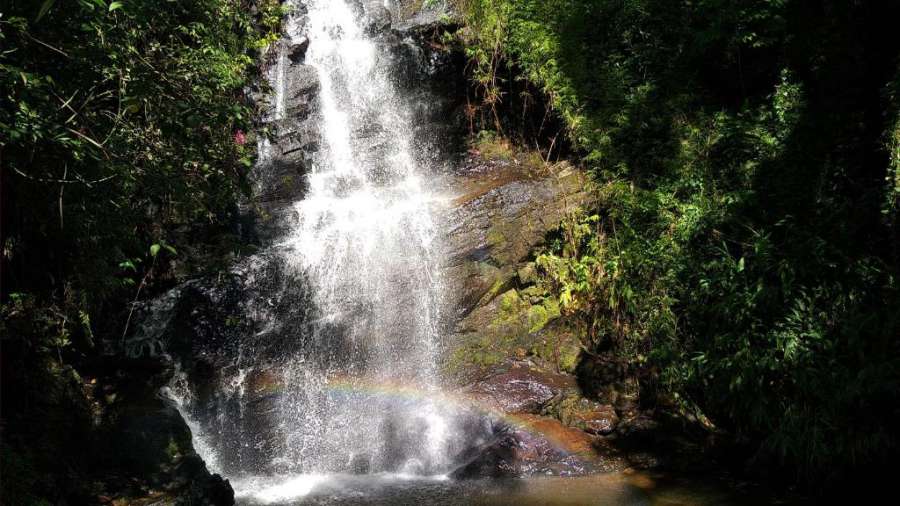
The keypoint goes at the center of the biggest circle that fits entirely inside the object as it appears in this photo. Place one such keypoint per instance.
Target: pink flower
(240, 138)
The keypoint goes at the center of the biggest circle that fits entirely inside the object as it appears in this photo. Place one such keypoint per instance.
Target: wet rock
(585, 414)
(377, 18)
(546, 446)
(200, 487)
(502, 212)
(297, 52)
(302, 81)
(160, 454)
(600, 420)
(528, 445)
(413, 15)
(519, 389)
(495, 459)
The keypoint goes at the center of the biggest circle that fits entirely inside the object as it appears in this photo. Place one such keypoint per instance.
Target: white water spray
(365, 240)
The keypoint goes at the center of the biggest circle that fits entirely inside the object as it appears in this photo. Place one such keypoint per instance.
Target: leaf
(44, 8)
(170, 249)
(128, 264)
(115, 5)
(154, 250)
(740, 265)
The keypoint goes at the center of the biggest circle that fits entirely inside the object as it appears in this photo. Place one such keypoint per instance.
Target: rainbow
(537, 426)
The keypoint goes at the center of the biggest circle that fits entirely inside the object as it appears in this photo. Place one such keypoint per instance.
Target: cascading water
(365, 241)
(345, 309)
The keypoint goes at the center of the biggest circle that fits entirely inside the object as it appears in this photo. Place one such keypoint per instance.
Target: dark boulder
(297, 51)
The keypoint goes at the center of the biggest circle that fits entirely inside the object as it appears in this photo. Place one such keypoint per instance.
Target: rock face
(145, 439)
(508, 342)
(502, 211)
(431, 77)
(503, 208)
(519, 389)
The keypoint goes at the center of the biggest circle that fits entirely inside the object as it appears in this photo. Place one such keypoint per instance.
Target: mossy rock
(527, 274)
(537, 318)
(575, 411)
(569, 351)
(510, 327)
(557, 343)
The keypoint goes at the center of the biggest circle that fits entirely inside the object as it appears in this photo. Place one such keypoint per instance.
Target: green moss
(537, 318)
(514, 329)
(493, 290)
(552, 307)
(509, 303)
(493, 147)
(567, 347)
(478, 352)
(569, 355)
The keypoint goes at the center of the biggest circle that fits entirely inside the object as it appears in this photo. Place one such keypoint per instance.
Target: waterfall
(365, 241)
(357, 380)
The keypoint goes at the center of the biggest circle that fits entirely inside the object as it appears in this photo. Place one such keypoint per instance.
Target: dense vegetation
(742, 257)
(123, 147)
(743, 254)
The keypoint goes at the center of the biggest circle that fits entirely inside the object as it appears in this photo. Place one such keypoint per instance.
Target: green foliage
(739, 253)
(117, 126)
(122, 143)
